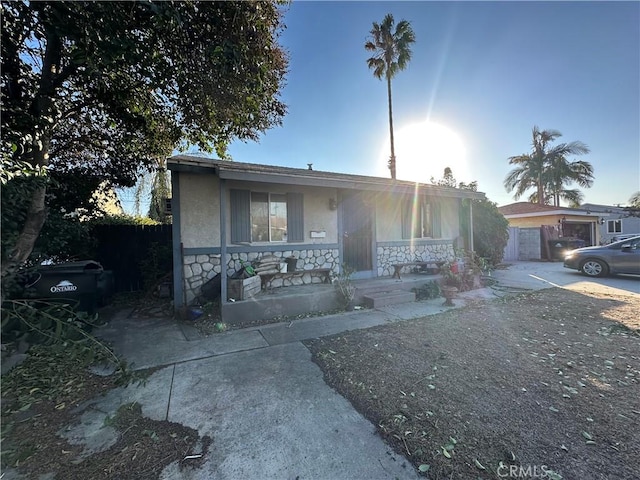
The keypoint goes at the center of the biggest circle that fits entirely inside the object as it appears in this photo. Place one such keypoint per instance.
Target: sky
(481, 76)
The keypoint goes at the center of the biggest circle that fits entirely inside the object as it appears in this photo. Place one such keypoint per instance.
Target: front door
(357, 228)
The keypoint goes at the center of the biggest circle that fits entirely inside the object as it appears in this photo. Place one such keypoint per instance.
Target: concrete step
(393, 297)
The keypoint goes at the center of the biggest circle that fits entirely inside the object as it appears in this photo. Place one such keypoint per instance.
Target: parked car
(625, 236)
(619, 257)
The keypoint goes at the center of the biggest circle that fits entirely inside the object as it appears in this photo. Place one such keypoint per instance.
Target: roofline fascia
(189, 165)
(342, 184)
(555, 212)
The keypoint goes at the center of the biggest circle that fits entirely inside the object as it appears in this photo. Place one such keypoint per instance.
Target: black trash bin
(292, 263)
(560, 246)
(78, 282)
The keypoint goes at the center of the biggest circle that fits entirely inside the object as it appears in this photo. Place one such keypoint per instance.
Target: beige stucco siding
(388, 218)
(546, 220)
(450, 218)
(199, 212)
(317, 215)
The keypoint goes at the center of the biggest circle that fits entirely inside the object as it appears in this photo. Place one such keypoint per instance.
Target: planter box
(243, 288)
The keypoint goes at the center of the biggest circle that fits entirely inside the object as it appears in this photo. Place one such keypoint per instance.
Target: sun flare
(424, 150)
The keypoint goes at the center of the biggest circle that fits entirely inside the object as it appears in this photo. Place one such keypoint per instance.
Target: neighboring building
(617, 222)
(226, 213)
(533, 224)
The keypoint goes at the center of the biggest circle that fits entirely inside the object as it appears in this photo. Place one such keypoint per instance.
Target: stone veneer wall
(198, 269)
(388, 255)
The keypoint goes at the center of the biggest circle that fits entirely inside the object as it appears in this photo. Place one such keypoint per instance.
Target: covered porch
(301, 300)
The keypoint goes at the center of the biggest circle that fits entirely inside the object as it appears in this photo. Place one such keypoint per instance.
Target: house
(618, 222)
(227, 213)
(531, 225)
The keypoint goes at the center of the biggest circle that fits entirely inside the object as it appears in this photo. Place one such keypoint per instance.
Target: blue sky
(484, 73)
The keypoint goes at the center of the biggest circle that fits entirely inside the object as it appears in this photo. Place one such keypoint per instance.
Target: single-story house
(227, 213)
(527, 221)
(619, 222)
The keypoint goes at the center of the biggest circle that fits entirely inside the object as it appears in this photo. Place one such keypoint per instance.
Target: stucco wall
(388, 216)
(199, 210)
(450, 218)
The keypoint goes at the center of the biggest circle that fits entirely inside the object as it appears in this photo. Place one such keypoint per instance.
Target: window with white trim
(614, 226)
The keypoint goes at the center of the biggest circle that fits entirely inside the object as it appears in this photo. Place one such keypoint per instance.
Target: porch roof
(252, 172)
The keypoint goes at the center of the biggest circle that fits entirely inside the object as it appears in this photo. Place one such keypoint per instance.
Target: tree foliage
(391, 54)
(633, 210)
(548, 171)
(103, 89)
(490, 228)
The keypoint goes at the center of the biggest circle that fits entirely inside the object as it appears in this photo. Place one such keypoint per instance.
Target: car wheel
(594, 268)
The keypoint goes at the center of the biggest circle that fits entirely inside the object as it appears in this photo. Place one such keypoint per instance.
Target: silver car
(618, 257)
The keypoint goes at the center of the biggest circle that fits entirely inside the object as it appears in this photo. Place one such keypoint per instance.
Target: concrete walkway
(257, 393)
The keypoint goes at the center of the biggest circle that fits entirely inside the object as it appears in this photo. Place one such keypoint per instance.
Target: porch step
(393, 297)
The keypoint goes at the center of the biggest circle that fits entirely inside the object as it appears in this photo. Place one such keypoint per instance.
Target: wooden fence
(134, 253)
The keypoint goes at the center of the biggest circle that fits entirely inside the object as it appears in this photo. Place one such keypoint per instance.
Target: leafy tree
(490, 228)
(633, 210)
(547, 170)
(391, 53)
(103, 89)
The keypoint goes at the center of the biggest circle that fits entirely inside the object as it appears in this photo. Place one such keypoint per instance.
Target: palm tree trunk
(392, 158)
(540, 190)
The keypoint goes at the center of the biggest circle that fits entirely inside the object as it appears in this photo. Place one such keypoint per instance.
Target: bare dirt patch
(539, 384)
(41, 398)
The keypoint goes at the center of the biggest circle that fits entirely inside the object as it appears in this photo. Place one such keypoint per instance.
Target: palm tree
(547, 170)
(562, 172)
(392, 52)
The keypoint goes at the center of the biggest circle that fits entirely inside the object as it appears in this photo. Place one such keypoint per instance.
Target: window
(614, 226)
(266, 217)
(421, 218)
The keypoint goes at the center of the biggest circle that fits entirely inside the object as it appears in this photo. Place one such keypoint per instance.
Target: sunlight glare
(424, 150)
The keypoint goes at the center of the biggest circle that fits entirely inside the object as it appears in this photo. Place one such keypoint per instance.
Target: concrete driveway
(539, 275)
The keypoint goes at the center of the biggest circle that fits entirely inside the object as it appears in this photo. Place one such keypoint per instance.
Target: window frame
(613, 223)
(269, 216)
(240, 222)
(428, 219)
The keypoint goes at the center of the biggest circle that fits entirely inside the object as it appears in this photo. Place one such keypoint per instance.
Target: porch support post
(340, 231)
(223, 241)
(176, 240)
(471, 225)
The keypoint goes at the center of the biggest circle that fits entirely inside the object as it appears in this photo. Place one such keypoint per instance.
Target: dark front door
(357, 233)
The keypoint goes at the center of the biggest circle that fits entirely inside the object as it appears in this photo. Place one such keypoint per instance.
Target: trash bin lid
(89, 266)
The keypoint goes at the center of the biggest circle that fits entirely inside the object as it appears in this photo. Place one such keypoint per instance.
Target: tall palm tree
(391, 53)
(561, 172)
(547, 170)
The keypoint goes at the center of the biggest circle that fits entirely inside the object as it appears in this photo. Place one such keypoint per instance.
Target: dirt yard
(540, 385)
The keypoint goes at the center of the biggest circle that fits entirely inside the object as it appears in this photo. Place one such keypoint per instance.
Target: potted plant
(451, 282)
